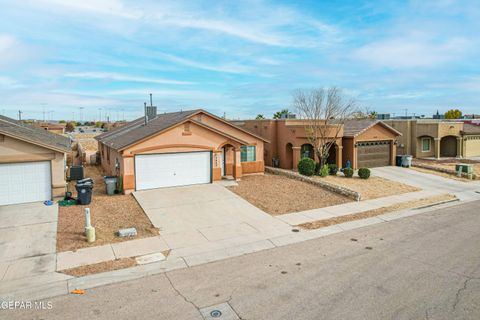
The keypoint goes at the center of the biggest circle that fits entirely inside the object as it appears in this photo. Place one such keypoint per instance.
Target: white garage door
(172, 169)
(25, 182)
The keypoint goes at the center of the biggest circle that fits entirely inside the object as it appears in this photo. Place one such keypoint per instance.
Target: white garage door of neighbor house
(25, 182)
(172, 169)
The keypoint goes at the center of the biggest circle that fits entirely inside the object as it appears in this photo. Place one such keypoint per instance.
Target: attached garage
(32, 163)
(25, 182)
(369, 144)
(172, 169)
(373, 154)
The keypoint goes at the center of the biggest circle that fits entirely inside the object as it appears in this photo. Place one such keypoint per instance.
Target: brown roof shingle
(354, 127)
(137, 130)
(469, 128)
(35, 135)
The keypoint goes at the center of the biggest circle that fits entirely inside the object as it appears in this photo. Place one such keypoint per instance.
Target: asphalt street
(421, 267)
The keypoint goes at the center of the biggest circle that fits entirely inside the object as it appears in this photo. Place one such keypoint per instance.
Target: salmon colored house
(362, 143)
(179, 148)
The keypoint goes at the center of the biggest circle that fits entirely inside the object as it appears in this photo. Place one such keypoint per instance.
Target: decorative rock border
(317, 182)
(444, 170)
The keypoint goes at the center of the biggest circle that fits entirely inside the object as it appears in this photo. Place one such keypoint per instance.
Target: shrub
(364, 173)
(306, 166)
(348, 172)
(324, 171)
(332, 169)
(317, 168)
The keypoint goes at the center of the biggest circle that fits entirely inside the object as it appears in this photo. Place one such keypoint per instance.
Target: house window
(248, 153)
(426, 144)
(108, 155)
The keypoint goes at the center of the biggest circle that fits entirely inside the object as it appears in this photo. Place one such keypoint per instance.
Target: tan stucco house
(364, 143)
(437, 138)
(179, 148)
(32, 163)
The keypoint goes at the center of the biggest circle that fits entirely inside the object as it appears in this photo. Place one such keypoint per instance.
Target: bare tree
(324, 112)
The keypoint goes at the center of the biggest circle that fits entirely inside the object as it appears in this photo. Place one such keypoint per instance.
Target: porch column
(338, 152)
(459, 147)
(393, 153)
(437, 147)
(296, 157)
(237, 165)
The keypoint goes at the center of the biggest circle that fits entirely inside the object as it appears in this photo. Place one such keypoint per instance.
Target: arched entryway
(306, 151)
(448, 147)
(289, 156)
(227, 160)
(332, 155)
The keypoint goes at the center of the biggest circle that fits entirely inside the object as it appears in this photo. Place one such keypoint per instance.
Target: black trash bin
(84, 191)
(398, 161)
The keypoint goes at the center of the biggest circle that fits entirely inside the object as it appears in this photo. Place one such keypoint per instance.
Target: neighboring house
(57, 128)
(32, 163)
(471, 140)
(364, 143)
(179, 148)
(437, 138)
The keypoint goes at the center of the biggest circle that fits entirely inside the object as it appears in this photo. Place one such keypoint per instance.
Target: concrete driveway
(27, 240)
(201, 214)
(425, 181)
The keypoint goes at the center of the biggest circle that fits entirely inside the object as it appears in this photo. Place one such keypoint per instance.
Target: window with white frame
(248, 153)
(426, 144)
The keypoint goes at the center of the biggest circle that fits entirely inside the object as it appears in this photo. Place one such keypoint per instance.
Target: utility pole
(20, 115)
(406, 112)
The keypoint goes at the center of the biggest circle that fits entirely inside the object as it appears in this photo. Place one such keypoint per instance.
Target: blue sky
(235, 57)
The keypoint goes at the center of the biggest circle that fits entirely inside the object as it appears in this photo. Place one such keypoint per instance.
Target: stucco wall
(472, 146)
(14, 150)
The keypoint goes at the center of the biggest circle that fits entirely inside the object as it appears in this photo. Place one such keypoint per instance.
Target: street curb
(436, 204)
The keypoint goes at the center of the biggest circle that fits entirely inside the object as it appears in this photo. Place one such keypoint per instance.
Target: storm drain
(221, 311)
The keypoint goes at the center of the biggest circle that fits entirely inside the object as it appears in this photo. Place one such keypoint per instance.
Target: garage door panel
(25, 182)
(172, 169)
(373, 154)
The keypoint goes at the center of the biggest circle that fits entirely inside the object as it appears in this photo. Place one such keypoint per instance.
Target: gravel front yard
(371, 188)
(446, 164)
(108, 214)
(376, 212)
(277, 195)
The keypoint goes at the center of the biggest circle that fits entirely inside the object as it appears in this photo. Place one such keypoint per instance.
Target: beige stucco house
(32, 163)
(177, 149)
(437, 138)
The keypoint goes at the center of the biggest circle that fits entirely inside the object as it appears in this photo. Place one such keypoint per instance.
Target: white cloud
(103, 7)
(229, 68)
(120, 77)
(411, 52)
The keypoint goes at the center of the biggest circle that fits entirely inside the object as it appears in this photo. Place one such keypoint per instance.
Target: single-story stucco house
(364, 143)
(429, 138)
(32, 163)
(179, 148)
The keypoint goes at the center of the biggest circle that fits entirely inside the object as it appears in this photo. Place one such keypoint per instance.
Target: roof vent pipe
(145, 112)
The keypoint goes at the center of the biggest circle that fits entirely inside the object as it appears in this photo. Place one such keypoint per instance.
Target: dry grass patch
(277, 194)
(448, 164)
(376, 212)
(108, 214)
(101, 267)
(371, 188)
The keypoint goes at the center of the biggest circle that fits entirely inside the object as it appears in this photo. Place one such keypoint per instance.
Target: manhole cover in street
(216, 313)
